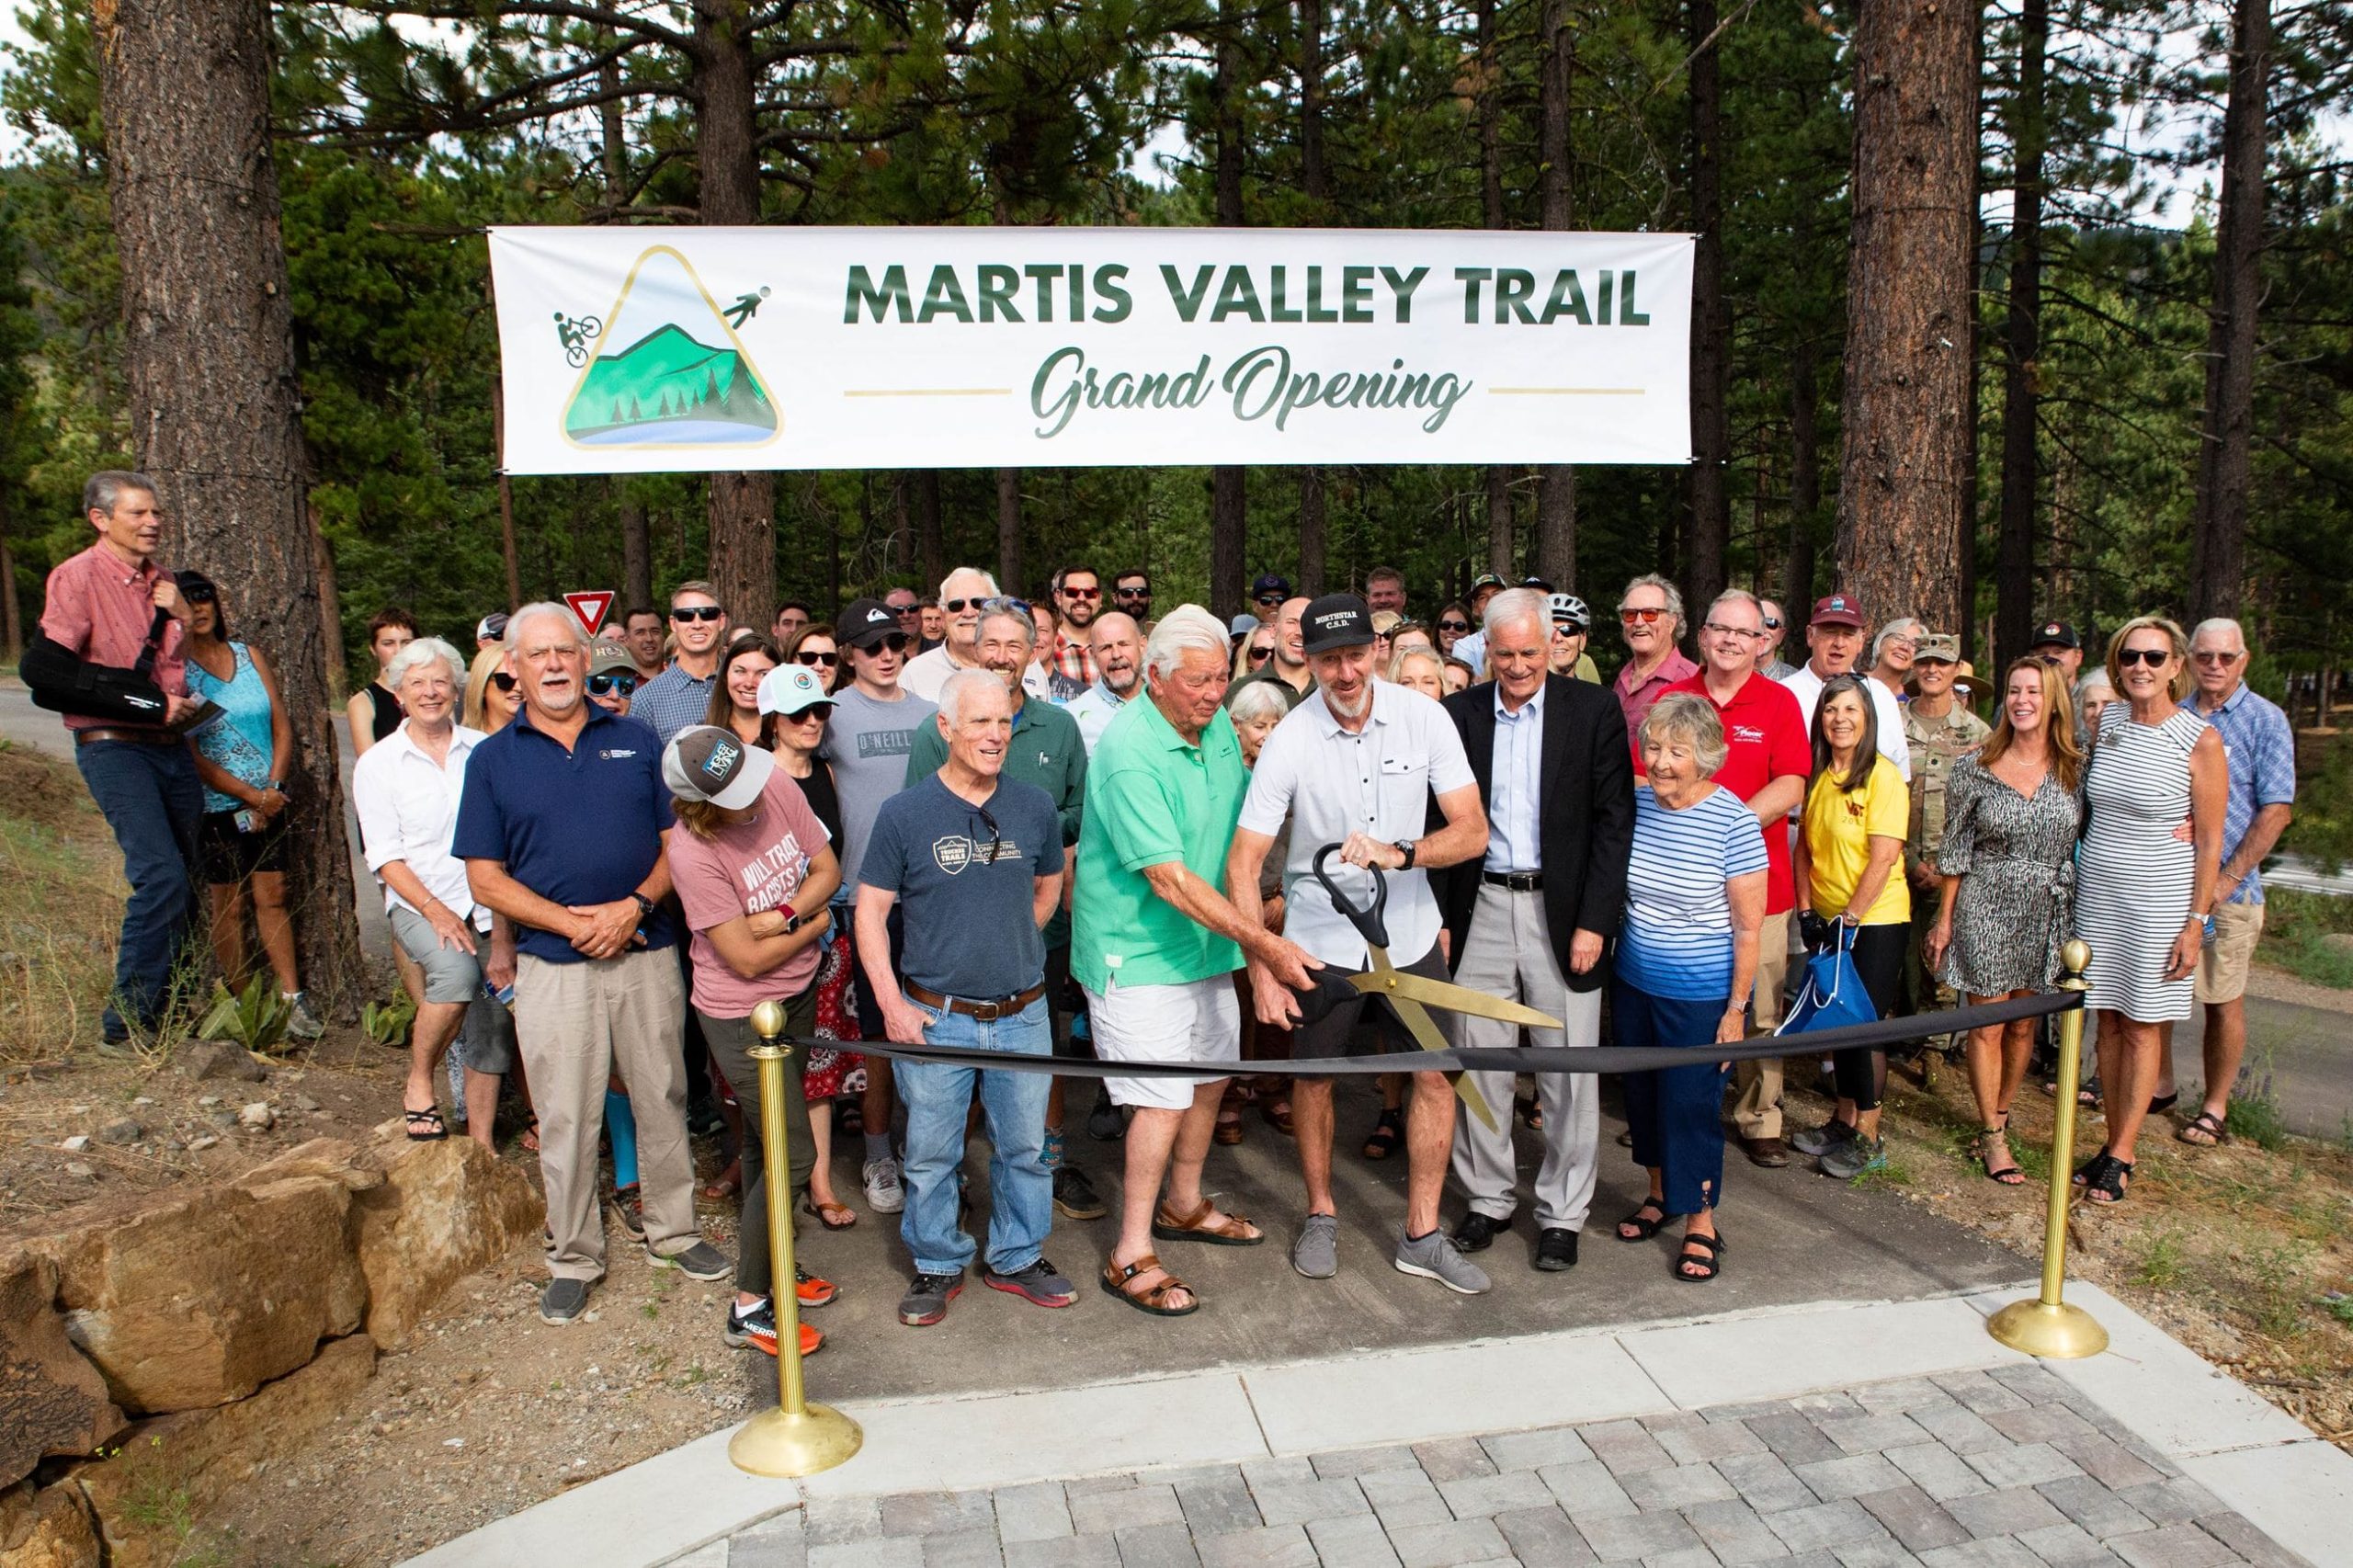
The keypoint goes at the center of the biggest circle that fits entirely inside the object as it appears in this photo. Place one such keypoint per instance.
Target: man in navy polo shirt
(561, 830)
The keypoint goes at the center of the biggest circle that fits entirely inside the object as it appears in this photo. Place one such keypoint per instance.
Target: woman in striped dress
(2141, 895)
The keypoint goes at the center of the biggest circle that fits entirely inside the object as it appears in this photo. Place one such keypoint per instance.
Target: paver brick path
(2005, 1469)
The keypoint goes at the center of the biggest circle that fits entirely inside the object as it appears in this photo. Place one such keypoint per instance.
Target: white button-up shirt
(409, 811)
(1094, 709)
(1514, 797)
(1806, 686)
(1331, 783)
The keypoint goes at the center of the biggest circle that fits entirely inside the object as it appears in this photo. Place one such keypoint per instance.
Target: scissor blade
(1452, 997)
(1416, 1020)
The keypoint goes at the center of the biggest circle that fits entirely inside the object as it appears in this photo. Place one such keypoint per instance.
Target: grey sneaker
(1435, 1256)
(301, 1022)
(700, 1261)
(883, 1193)
(1852, 1156)
(563, 1301)
(1316, 1254)
(1819, 1140)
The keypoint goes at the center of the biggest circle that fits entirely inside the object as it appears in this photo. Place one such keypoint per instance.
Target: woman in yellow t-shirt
(1849, 847)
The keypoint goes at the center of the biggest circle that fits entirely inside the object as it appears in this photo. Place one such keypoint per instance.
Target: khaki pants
(1756, 1098)
(576, 1024)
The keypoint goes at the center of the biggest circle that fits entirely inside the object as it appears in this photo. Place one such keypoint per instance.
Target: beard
(1351, 707)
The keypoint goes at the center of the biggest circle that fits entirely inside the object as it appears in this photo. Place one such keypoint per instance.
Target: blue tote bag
(1832, 995)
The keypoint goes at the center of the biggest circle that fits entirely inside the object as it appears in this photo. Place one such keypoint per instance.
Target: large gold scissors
(1410, 996)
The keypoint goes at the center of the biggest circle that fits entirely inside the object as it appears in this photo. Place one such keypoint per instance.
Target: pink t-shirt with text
(755, 866)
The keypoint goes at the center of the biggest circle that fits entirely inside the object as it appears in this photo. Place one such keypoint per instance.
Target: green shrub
(256, 1019)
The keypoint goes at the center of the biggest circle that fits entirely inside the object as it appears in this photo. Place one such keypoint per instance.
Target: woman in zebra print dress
(2141, 895)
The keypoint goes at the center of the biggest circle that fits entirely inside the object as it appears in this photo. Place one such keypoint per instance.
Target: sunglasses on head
(1452, 625)
(1640, 616)
(611, 684)
(2128, 657)
(501, 680)
(812, 656)
(696, 612)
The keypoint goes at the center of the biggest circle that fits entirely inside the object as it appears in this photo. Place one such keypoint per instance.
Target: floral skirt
(829, 1073)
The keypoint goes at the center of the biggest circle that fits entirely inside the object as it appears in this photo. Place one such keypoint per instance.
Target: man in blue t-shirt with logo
(594, 990)
(975, 862)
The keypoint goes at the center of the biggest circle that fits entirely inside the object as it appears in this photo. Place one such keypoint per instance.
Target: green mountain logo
(681, 378)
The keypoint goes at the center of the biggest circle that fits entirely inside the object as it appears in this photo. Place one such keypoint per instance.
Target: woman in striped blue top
(1685, 964)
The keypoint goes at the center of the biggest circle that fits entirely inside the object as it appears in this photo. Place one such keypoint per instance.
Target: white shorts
(1197, 1021)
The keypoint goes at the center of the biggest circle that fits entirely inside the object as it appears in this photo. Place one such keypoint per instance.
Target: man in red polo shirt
(1767, 759)
(101, 605)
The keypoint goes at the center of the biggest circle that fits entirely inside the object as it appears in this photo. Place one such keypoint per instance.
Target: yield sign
(591, 606)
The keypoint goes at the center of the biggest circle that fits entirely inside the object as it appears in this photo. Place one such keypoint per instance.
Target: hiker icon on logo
(669, 370)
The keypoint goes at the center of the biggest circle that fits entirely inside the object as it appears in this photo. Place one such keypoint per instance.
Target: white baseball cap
(792, 688)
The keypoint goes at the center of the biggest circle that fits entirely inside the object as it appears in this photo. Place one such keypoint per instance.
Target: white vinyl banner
(641, 351)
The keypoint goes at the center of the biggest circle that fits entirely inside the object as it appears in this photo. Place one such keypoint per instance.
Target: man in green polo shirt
(1048, 750)
(1157, 942)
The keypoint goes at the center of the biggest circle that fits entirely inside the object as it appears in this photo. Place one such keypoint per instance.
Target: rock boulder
(445, 1209)
(56, 1401)
(55, 1526)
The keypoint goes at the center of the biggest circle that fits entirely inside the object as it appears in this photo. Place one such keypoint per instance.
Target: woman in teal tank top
(243, 758)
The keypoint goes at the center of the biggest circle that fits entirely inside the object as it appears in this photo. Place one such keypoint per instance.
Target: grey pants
(731, 1040)
(1508, 953)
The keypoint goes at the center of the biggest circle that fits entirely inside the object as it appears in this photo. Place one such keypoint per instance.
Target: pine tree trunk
(1009, 529)
(2013, 585)
(1806, 490)
(637, 556)
(214, 406)
(1229, 492)
(12, 623)
(1709, 520)
(2218, 557)
(1906, 402)
(931, 563)
(1556, 483)
(1312, 178)
(1313, 532)
(742, 505)
(1489, 102)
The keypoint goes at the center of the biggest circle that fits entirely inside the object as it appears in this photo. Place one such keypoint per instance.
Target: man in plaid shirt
(1078, 598)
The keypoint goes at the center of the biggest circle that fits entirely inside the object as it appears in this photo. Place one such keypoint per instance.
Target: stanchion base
(776, 1442)
(2060, 1333)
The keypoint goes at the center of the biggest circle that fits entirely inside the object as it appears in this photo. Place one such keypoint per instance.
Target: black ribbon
(1874, 1036)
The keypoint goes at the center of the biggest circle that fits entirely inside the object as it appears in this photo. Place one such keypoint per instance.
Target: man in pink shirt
(1650, 616)
(100, 606)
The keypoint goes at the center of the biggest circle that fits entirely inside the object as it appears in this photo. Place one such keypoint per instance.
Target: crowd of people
(1077, 829)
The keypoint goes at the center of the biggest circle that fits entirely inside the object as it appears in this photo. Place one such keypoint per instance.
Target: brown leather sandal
(1231, 1230)
(1153, 1299)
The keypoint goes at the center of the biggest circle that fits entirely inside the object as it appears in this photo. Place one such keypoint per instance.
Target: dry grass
(58, 925)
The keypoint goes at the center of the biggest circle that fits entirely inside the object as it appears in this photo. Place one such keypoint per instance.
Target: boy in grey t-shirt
(868, 741)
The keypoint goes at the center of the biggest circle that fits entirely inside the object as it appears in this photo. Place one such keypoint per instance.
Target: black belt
(1518, 882)
(987, 1012)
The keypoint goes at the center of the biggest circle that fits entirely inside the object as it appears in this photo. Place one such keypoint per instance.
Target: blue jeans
(1676, 1114)
(152, 798)
(938, 1099)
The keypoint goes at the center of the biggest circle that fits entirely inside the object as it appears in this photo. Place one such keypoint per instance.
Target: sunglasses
(1268, 599)
(811, 656)
(1454, 626)
(1772, 623)
(895, 641)
(2128, 657)
(1132, 593)
(1260, 656)
(996, 838)
(815, 713)
(957, 607)
(698, 612)
(608, 685)
(2211, 658)
(1082, 593)
(501, 680)
(1640, 616)
(200, 595)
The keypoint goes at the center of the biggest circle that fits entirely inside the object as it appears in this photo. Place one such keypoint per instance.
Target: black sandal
(1387, 1134)
(2103, 1177)
(1713, 1263)
(2009, 1174)
(2161, 1104)
(1644, 1229)
(430, 1120)
(2214, 1133)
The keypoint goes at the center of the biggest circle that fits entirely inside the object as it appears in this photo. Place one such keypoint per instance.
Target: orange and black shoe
(756, 1328)
(812, 1291)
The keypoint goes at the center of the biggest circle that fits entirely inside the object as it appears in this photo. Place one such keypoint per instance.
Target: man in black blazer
(1531, 920)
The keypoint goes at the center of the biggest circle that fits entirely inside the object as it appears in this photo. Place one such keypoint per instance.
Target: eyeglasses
(1721, 629)
(698, 612)
(895, 641)
(1772, 623)
(1452, 625)
(811, 656)
(501, 680)
(2211, 657)
(610, 685)
(2128, 657)
(1082, 593)
(1640, 616)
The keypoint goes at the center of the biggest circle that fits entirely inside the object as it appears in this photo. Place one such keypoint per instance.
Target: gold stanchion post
(796, 1437)
(2046, 1325)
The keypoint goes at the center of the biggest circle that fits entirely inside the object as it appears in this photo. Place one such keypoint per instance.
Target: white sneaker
(883, 1193)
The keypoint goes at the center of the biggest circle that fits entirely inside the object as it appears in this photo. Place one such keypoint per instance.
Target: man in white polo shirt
(1356, 764)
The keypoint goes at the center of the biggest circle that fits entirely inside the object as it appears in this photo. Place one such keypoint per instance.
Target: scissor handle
(1369, 922)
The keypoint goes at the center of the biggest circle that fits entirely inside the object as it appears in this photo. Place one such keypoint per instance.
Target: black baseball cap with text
(1335, 621)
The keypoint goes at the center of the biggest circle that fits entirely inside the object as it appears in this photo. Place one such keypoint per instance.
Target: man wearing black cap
(1356, 765)
(2056, 640)
(1473, 650)
(1268, 592)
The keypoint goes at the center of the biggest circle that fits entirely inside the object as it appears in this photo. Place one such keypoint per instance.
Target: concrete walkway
(1853, 1435)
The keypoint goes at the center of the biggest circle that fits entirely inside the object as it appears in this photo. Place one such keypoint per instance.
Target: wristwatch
(1405, 847)
(793, 921)
(644, 905)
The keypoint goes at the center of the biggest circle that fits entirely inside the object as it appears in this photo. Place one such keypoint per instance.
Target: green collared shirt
(1153, 798)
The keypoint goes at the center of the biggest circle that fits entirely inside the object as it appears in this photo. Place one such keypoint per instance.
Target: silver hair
(105, 488)
(548, 608)
(1690, 719)
(424, 650)
(1673, 595)
(952, 691)
(1186, 627)
(1740, 597)
(957, 572)
(1902, 626)
(1511, 605)
(2094, 679)
(2218, 625)
(1254, 700)
(1012, 610)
